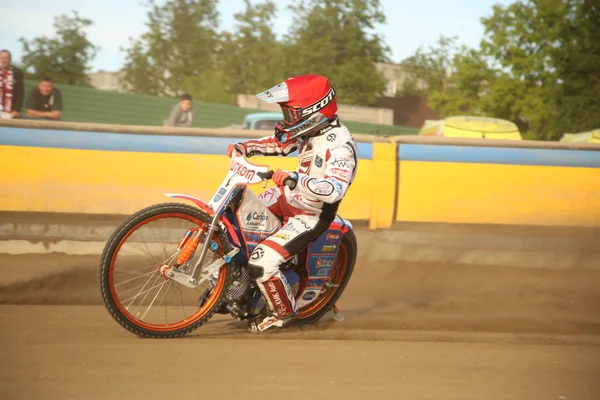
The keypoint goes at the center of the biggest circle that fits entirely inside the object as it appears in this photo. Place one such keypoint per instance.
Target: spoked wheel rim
(335, 277)
(152, 283)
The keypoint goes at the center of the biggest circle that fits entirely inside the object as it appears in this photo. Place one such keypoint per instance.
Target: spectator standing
(44, 101)
(11, 87)
(182, 113)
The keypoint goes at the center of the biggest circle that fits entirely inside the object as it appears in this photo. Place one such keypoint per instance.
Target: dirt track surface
(412, 330)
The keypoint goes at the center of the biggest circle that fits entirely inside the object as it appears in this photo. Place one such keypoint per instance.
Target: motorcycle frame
(232, 188)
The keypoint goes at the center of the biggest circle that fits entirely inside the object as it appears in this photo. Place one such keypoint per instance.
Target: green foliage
(251, 58)
(177, 54)
(427, 69)
(210, 89)
(182, 50)
(65, 57)
(461, 92)
(521, 40)
(538, 66)
(336, 38)
(579, 68)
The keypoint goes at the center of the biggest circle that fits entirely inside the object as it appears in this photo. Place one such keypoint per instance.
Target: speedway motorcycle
(168, 268)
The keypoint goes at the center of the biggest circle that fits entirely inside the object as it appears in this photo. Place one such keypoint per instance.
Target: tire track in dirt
(385, 296)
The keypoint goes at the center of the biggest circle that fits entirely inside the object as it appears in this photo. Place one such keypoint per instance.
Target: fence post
(384, 185)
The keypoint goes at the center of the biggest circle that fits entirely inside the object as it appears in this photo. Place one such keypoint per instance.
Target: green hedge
(84, 104)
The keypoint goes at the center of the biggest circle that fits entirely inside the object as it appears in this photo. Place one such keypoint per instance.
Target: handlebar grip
(290, 182)
(265, 175)
(239, 149)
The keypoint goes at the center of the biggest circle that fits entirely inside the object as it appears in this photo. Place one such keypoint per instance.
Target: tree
(461, 92)
(455, 78)
(178, 53)
(427, 70)
(336, 38)
(578, 65)
(251, 57)
(520, 40)
(538, 66)
(65, 57)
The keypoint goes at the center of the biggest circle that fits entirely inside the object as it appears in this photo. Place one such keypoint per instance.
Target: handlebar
(289, 182)
(265, 176)
(239, 150)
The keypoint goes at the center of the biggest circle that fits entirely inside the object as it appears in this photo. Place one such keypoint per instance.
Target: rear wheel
(338, 279)
(137, 294)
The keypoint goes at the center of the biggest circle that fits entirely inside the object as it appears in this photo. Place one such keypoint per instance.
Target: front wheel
(137, 294)
(338, 279)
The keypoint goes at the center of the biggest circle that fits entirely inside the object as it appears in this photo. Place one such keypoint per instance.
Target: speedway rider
(327, 166)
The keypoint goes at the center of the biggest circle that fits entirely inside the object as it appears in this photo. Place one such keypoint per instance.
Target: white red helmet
(307, 103)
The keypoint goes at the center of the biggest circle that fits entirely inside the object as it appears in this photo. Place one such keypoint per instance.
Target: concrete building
(105, 80)
(395, 75)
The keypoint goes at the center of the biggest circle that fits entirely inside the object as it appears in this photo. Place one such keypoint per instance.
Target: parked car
(472, 127)
(261, 121)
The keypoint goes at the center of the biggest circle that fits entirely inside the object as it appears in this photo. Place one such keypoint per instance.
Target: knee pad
(255, 271)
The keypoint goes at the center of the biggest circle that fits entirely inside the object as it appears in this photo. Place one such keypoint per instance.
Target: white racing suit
(327, 167)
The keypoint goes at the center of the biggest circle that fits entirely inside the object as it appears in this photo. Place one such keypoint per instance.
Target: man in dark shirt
(11, 87)
(44, 101)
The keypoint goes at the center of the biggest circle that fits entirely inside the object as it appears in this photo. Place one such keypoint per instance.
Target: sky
(410, 24)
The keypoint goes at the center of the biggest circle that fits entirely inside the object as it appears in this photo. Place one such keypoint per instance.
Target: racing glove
(282, 177)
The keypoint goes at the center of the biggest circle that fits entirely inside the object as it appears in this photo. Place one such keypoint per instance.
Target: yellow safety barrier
(453, 190)
(498, 194)
(116, 182)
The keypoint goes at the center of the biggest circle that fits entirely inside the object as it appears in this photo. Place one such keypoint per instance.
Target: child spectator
(182, 113)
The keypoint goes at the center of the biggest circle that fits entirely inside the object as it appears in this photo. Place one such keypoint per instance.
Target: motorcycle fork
(211, 230)
(187, 245)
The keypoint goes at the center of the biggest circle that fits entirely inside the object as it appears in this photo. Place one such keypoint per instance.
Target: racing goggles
(291, 115)
(284, 133)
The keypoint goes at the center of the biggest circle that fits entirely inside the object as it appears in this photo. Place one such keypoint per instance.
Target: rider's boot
(280, 308)
(268, 321)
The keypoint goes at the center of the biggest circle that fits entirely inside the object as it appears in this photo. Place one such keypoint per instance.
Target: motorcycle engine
(243, 296)
(240, 285)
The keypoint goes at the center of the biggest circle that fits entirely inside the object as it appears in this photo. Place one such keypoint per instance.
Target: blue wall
(129, 142)
(499, 155)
